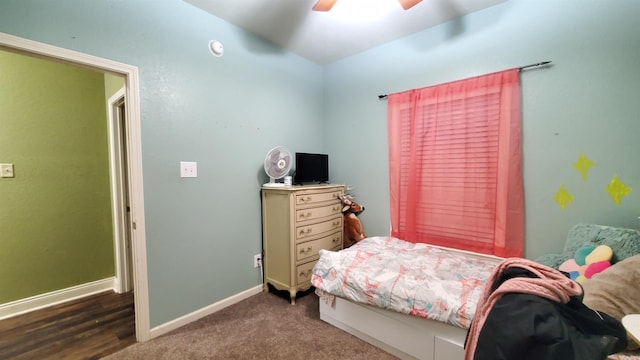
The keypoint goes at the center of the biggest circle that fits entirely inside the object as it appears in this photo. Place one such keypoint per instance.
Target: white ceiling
(324, 37)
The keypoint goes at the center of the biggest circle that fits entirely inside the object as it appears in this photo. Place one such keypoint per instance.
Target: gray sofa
(623, 242)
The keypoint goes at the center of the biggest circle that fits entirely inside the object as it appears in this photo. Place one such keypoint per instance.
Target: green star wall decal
(563, 197)
(583, 165)
(617, 190)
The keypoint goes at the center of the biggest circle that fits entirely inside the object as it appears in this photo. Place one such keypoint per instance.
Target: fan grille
(277, 163)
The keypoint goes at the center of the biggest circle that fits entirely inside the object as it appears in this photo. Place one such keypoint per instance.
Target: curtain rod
(536, 65)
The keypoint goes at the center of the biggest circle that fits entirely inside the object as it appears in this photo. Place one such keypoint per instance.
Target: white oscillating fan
(277, 164)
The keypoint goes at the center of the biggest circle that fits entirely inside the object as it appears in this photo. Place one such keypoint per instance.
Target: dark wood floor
(89, 328)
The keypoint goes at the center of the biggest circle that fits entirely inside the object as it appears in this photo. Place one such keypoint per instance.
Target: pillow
(587, 261)
(615, 291)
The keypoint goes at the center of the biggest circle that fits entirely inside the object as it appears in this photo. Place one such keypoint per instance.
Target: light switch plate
(188, 169)
(6, 170)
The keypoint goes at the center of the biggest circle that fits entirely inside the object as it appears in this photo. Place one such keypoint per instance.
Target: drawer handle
(304, 252)
(336, 239)
(304, 200)
(305, 231)
(302, 216)
(305, 273)
(336, 223)
(336, 208)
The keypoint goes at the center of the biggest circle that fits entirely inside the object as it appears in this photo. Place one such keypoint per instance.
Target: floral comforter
(416, 279)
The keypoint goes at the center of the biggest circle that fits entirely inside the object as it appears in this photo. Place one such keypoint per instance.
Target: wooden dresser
(298, 221)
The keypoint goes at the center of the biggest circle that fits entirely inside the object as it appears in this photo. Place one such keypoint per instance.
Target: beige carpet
(265, 326)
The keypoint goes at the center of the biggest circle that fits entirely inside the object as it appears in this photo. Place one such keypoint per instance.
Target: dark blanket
(523, 326)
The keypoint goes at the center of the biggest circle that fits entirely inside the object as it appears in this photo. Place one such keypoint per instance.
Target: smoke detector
(216, 48)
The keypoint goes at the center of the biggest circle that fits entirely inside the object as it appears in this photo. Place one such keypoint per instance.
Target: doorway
(131, 159)
(116, 106)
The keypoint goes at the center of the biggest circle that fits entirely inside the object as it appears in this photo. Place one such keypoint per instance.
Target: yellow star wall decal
(583, 165)
(617, 190)
(563, 197)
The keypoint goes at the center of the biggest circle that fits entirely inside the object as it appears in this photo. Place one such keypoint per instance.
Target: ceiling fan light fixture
(408, 4)
(324, 5)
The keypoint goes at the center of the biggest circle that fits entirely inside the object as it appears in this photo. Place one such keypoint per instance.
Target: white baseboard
(207, 310)
(22, 306)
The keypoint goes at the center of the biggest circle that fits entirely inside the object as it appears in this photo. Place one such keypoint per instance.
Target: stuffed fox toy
(353, 231)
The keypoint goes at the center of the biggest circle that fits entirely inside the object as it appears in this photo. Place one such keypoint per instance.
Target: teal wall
(56, 228)
(224, 113)
(586, 102)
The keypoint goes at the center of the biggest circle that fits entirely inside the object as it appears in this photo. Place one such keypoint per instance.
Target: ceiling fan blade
(408, 4)
(324, 5)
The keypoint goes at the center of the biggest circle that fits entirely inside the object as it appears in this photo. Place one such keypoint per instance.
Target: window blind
(447, 161)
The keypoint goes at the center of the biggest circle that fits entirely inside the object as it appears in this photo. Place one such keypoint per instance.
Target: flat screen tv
(311, 168)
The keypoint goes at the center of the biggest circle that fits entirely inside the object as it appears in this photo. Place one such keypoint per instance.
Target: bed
(435, 292)
(435, 295)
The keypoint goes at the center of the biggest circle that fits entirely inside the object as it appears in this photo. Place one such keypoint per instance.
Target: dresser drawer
(304, 271)
(305, 232)
(308, 199)
(309, 250)
(318, 212)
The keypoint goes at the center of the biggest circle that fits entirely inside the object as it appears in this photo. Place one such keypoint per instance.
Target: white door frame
(134, 156)
(119, 203)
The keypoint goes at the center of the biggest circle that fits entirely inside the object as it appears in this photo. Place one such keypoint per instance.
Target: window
(454, 164)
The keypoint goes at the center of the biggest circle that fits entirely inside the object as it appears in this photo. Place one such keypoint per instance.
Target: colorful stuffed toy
(588, 261)
(353, 231)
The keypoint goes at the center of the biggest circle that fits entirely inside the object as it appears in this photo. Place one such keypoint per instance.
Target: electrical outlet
(257, 261)
(188, 169)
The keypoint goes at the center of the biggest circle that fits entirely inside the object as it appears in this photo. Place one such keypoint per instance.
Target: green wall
(55, 218)
(112, 83)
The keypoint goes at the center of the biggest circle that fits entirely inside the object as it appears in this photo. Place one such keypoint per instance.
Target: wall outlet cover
(188, 169)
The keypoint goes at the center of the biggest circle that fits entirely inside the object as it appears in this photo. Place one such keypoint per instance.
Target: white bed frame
(404, 336)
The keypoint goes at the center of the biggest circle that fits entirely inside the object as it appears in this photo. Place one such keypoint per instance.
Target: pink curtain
(454, 164)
